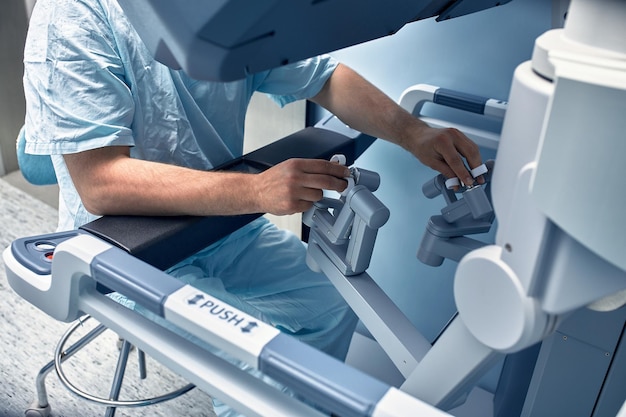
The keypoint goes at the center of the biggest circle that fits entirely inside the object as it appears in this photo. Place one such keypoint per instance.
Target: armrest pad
(162, 241)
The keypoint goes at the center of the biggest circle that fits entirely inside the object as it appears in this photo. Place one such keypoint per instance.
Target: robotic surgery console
(559, 247)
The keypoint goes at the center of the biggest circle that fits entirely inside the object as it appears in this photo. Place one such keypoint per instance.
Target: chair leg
(40, 407)
(118, 378)
(141, 357)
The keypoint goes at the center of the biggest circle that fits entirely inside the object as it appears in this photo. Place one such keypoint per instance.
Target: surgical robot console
(555, 192)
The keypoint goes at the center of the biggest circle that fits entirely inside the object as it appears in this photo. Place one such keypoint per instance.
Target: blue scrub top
(90, 82)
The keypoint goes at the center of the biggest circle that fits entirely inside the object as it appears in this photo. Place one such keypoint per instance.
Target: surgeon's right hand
(294, 185)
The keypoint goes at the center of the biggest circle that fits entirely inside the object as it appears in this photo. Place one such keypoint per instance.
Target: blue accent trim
(35, 252)
(462, 101)
(140, 282)
(320, 378)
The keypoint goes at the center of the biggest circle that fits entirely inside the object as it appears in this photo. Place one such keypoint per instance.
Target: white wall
(13, 24)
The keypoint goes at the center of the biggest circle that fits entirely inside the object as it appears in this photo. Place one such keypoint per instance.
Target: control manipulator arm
(341, 242)
(343, 233)
(445, 235)
(346, 227)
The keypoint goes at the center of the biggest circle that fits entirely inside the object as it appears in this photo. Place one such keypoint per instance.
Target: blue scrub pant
(261, 270)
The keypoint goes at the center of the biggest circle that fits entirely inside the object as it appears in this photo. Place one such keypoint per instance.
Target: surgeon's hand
(444, 150)
(362, 106)
(294, 185)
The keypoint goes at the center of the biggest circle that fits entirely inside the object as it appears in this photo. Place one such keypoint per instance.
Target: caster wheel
(37, 411)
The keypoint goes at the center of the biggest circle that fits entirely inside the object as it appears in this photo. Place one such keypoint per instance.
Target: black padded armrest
(162, 241)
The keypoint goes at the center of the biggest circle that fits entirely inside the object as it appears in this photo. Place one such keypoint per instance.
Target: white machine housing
(556, 187)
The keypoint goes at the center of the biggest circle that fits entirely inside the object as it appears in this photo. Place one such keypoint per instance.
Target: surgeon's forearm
(110, 183)
(365, 108)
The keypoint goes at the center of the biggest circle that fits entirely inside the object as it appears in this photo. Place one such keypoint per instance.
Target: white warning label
(218, 323)
(221, 311)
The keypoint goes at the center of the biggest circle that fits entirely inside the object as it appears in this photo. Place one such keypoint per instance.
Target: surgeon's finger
(310, 195)
(320, 166)
(324, 175)
(295, 184)
(456, 167)
(324, 182)
(453, 149)
(470, 151)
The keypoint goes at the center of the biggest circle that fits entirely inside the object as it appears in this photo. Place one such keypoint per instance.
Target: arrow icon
(196, 299)
(249, 327)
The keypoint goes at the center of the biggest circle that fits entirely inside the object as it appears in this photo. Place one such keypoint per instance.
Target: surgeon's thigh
(262, 270)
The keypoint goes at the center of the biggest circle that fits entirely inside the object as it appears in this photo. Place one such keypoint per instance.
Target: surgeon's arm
(363, 107)
(110, 182)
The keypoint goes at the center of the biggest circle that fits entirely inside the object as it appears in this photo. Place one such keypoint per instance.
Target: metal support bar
(388, 324)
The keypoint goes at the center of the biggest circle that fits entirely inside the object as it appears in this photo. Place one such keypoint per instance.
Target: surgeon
(130, 136)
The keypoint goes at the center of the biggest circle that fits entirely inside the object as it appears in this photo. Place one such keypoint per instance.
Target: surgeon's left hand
(444, 150)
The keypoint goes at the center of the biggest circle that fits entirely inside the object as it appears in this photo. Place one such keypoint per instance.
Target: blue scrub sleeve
(298, 81)
(74, 82)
